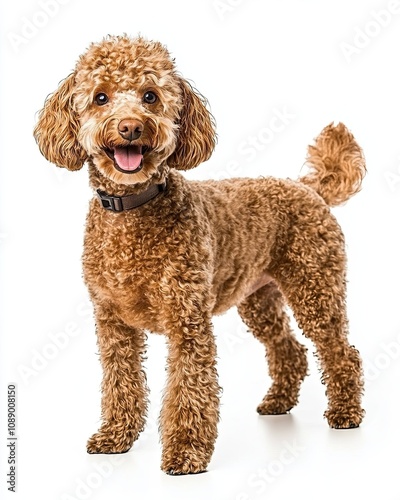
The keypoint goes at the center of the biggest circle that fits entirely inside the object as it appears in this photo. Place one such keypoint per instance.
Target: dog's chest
(123, 261)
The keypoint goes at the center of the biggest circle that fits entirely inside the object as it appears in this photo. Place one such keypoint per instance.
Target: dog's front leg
(191, 404)
(124, 390)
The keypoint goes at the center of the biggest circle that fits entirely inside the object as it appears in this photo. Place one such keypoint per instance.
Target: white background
(250, 58)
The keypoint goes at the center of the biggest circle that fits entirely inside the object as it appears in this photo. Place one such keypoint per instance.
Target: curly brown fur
(337, 165)
(263, 312)
(198, 249)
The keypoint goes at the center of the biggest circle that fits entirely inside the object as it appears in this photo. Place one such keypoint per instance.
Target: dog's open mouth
(127, 159)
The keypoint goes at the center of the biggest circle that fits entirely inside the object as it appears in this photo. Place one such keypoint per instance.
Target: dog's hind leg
(311, 275)
(264, 313)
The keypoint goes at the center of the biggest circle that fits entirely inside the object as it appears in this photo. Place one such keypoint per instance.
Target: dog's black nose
(130, 129)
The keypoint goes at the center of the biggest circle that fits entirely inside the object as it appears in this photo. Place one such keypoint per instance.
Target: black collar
(121, 203)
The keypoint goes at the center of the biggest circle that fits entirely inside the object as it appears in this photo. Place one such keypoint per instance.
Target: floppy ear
(57, 128)
(196, 135)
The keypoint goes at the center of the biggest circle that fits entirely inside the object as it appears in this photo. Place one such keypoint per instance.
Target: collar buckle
(112, 203)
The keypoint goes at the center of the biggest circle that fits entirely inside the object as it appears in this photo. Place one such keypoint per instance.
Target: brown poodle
(164, 254)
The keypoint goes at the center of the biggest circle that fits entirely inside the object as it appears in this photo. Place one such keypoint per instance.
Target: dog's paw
(109, 440)
(184, 462)
(274, 405)
(348, 418)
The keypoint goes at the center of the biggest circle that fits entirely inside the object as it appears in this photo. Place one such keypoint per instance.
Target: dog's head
(126, 108)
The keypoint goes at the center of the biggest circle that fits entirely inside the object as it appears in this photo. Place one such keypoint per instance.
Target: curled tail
(336, 165)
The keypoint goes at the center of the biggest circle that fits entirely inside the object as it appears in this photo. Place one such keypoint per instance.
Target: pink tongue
(128, 158)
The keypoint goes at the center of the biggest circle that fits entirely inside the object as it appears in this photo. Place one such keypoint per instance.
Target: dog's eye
(150, 97)
(101, 99)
